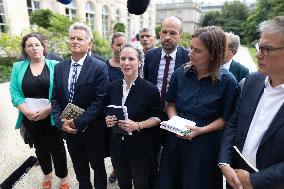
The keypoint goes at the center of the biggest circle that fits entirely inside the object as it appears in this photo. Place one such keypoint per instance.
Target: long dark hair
(214, 38)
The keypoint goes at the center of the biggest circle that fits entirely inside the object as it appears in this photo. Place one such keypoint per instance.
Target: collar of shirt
(227, 64)
(268, 86)
(173, 54)
(80, 62)
(188, 69)
(126, 91)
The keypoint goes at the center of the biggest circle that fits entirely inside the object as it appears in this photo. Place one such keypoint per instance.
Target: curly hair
(214, 38)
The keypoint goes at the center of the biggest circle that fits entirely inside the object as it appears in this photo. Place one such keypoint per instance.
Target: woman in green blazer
(31, 83)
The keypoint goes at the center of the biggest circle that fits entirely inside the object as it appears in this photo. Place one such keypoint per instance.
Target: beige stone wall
(188, 12)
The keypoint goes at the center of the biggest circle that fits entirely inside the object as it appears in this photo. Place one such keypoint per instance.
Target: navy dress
(114, 73)
(193, 164)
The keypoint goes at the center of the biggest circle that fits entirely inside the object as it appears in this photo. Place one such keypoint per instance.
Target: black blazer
(238, 70)
(152, 62)
(143, 102)
(270, 154)
(89, 94)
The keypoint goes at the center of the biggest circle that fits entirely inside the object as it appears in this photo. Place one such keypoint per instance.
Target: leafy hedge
(6, 68)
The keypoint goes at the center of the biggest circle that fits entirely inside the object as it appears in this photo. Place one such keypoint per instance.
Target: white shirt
(227, 64)
(80, 62)
(268, 106)
(126, 90)
(162, 68)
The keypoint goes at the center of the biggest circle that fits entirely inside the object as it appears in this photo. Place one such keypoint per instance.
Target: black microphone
(18, 173)
(137, 7)
(65, 2)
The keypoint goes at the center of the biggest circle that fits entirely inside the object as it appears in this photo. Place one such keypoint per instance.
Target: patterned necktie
(73, 82)
(165, 79)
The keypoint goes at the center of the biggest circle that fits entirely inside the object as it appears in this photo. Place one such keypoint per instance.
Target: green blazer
(17, 95)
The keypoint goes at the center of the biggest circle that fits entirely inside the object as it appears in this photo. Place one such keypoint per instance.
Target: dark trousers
(85, 148)
(48, 145)
(129, 169)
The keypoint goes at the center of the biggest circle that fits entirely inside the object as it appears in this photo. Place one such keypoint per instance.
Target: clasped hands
(69, 126)
(127, 125)
(36, 116)
(237, 178)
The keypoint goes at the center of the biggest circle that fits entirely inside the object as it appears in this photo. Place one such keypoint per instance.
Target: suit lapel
(83, 73)
(179, 58)
(156, 63)
(277, 122)
(132, 93)
(250, 102)
(65, 76)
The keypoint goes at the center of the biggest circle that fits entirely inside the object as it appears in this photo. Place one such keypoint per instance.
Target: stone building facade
(188, 11)
(100, 15)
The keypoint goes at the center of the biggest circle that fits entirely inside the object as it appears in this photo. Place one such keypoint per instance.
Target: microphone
(65, 2)
(137, 7)
(18, 173)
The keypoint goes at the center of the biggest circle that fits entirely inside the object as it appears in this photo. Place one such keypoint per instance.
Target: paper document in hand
(177, 125)
(71, 111)
(242, 162)
(36, 104)
(120, 113)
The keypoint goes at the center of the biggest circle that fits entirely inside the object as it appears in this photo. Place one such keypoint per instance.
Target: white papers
(177, 125)
(36, 104)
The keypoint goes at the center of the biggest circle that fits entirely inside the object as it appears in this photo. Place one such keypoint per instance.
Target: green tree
(10, 45)
(230, 18)
(157, 31)
(101, 45)
(264, 10)
(185, 40)
(119, 27)
(42, 18)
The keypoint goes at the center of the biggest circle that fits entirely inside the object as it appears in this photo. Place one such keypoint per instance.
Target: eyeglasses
(266, 49)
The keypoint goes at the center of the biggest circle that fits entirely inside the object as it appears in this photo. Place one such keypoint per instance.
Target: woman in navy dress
(205, 93)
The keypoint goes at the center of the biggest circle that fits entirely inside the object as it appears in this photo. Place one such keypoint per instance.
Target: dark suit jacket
(143, 102)
(89, 94)
(270, 154)
(152, 62)
(98, 57)
(238, 70)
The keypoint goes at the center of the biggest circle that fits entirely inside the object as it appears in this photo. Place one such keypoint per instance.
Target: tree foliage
(9, 45)
(264, 10)
(42, 18)
(230, 18)
(119, 27)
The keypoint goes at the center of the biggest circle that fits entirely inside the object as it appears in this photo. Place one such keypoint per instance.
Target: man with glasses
(232, 45)
(257, 126)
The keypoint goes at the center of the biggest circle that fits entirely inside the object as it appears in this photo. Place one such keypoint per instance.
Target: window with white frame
(90, 15)
(105, 21)
(2, 17)
(33, 5)
(70, 11)
(117, 15)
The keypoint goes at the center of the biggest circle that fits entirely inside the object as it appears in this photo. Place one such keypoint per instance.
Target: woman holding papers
(132, 149)
(206, 94)
(31, 88)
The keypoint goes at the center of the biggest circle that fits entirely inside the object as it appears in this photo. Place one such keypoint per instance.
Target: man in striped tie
(82, 80)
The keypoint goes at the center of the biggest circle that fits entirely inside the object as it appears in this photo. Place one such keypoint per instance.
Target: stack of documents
(177, 125)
